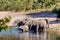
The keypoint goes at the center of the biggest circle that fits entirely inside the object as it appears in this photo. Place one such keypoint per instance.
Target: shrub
(58, 38)
(19, 5)
(58, 13)
(3, 25)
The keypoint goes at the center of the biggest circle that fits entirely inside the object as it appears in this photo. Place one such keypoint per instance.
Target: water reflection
(17, 35)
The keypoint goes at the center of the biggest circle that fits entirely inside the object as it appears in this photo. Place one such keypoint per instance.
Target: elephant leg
(29, 27)
(33, 28)
(40, 29)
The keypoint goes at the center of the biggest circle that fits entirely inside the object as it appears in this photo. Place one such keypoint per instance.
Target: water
(15, 34)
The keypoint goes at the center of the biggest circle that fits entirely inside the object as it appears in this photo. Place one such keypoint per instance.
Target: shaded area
(43, 14)
(55, 22)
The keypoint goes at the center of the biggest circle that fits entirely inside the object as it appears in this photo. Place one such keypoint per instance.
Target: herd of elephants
(32, 25)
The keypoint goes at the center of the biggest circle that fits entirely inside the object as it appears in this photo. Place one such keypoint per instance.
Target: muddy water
(15, 34)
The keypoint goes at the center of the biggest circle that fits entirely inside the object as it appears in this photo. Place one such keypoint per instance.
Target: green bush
(3, 25)
(58, 38)
(54, 10)
(58, 13)
(19, 5)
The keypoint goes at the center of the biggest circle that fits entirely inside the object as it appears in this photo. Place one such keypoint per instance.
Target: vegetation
(58, 13)
(58, 37)
(56, 10)
(3, 25)
(23, 5)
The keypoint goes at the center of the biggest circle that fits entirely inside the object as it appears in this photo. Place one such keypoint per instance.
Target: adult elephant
(38, 25)
(43, 24)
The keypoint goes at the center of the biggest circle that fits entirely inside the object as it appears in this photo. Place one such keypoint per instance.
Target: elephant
(19, 23)
(34, 25)
(38, 25)
(25, 28)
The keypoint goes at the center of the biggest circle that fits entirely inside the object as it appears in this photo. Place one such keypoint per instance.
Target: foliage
(56, 10)
(3, 25)
(58, 37)
(19, 5)
(58, 13)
